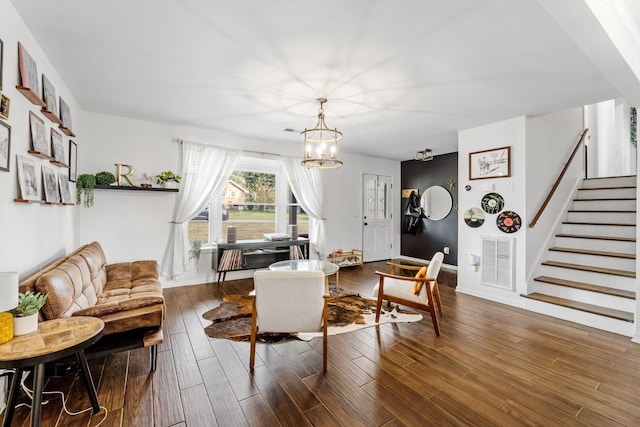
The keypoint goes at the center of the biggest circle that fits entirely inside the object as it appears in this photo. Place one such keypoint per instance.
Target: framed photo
(58, 147)
(494, 163)
(29, 178)
(1, 61)
(49, 93)
(73, 161)
(5, 105)
(65, 114)
(38, 134)
(5, 146)
(65, 192)
(406, 192)
(28, 70)
(50, 179)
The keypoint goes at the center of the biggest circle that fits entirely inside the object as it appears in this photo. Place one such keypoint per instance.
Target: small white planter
(25, 325)
(170, 184)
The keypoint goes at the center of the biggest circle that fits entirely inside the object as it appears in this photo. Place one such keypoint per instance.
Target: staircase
(589, 276)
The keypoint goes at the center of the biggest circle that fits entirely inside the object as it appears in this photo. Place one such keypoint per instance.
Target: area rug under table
(232, 318)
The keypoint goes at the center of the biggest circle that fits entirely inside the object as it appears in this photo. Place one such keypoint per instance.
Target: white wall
(135, 225)
(506, 133)
(32, 234)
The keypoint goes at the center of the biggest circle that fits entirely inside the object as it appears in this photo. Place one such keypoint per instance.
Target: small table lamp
(8, 301)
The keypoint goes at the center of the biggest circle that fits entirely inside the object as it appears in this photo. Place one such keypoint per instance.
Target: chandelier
(321, 144)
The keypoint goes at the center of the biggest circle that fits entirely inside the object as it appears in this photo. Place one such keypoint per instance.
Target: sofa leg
(154, 357)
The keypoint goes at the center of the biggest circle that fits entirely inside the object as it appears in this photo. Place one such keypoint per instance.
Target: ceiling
(400, 76)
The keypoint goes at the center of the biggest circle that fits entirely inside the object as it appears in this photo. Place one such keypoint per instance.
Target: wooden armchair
(289, 301)
(421, 293)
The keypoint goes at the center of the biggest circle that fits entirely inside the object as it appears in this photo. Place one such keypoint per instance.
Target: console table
(53, 340)
(254, 254)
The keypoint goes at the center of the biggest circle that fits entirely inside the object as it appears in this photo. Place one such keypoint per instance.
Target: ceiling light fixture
(424, 155)
(321, 144)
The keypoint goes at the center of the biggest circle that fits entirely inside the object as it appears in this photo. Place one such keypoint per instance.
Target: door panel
(376, 225)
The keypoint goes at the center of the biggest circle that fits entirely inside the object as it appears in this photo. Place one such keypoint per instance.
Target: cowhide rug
(232, 318)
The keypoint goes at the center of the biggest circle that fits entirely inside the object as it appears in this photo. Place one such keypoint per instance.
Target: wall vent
(498, 262)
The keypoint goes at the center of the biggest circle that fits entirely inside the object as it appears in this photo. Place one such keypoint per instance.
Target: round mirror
(436, 202)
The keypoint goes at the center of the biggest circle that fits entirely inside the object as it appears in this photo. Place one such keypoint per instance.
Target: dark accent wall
(435, 235)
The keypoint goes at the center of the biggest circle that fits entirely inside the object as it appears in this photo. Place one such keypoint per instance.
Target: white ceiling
(400, 75)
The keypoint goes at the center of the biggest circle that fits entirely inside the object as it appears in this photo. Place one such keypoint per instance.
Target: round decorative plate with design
(508, 221)
(474, 217)
(492, 203)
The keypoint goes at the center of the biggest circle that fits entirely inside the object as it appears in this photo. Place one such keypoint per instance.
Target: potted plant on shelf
(84, 189)
(105, 178)
(168, 179)
(25, 315)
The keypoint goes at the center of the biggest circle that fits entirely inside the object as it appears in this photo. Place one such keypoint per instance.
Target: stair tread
(591, 236)
(586, 286)
(599, 223)
(600, 211)
(619, 187)
(589, 308)
(591, 252)
(612, 271)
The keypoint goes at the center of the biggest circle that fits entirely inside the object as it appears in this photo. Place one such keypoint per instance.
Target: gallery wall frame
(492, 163)
(49, 95)
(73, 161)
(1, 61)
(38, 135)
(5, 146)
(28, 70)
(29, 178)
(57, 146)
(5, 106)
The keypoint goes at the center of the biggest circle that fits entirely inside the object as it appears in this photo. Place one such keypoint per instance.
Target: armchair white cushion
(288, 301)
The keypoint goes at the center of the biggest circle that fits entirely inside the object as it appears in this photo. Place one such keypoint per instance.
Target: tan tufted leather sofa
(127, 296)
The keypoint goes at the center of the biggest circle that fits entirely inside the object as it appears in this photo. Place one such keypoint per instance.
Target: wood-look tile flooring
(493, 365)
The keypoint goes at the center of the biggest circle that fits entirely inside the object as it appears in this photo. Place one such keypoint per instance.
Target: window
(257, 200)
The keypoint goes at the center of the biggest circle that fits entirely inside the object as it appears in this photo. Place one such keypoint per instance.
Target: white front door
(376, 230)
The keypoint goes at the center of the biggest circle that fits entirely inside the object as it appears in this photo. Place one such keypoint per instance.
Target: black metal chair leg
(88, 381)
(11, 398)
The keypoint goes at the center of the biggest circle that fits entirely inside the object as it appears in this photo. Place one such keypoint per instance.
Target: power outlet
(446, 250)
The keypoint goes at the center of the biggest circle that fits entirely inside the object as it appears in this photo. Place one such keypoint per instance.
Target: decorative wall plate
(474, 217)
(508, 221)
(492, 203)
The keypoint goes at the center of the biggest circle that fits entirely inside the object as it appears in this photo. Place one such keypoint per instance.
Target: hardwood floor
(492, 365)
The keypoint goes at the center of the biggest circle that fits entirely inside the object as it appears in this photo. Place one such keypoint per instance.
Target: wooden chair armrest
(405, 266)
(406, 278)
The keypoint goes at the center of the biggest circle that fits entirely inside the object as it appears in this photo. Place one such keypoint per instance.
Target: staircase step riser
(599, 230)
(596, 245)
(602, 217)
(613, 281)
(617, 181)
(593, 260)
(588, 297)
(606, 193)
(604, 205)
(593, 320)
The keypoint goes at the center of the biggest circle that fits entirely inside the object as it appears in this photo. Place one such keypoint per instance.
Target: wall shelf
(66, 131)
(126, 187)
(41, 155)
(51, 116)
(31, 95)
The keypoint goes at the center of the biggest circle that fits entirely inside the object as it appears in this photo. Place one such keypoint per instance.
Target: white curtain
(205, 171)
(306, 185)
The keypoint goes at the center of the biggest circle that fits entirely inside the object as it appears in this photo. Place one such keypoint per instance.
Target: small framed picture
(65, 114)
(49, 93)
(57, 145)
(5, 146)
(38, 134)
(73, 161)
(50, 179)
(65, 191)
(28, 70)
(5, 106)
(29, 178)
(494, 163)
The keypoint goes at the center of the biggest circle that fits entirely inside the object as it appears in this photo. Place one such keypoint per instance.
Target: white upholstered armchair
(420, 291)
(289, 301)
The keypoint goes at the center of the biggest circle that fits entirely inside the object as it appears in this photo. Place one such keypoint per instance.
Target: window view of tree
(249, 203)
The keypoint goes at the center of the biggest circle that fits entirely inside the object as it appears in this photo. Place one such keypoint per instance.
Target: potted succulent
(168, 179)
(84, 189)
(25, 315)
